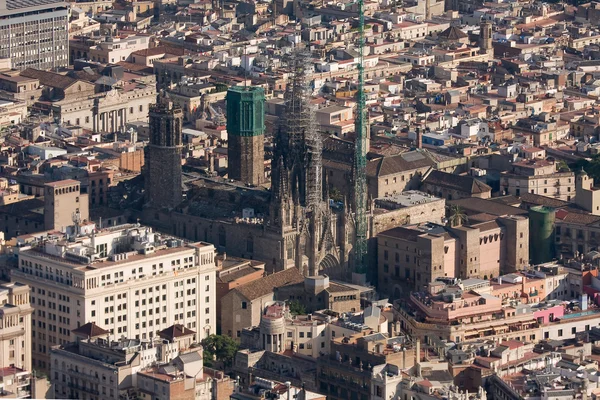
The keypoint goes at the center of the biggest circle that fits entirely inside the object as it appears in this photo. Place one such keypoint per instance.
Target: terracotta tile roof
(543, 200)
(576, 218)
(474, 205)
(408, 161)
(463, 183)
(453, 33)
(48, 78)
(155, 51)
(175, 331)
(90, 330)
(261, 287)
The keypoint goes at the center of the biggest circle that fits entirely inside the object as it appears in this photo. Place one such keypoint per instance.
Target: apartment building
(110, 50)
(126, 278)
(308, 335)
(460, 315)
(410, 257)
(558, 185)
(15, 326)
(96, 367)
(34, 34)
(346, 372)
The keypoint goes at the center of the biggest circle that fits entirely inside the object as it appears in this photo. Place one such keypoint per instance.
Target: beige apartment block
(15, 326)
(128, 279)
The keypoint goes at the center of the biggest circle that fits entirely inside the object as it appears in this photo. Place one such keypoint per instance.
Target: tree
(296, 308)
(221, 87)
(336, 195)
(456, 216)
(563, 167)
(219, 348)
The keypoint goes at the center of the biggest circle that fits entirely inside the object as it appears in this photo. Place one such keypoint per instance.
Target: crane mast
(360, 156)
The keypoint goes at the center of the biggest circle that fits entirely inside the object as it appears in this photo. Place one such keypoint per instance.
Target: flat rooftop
(405, 199)
(22, 6)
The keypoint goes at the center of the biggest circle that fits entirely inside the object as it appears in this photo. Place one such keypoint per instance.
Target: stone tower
(163, 156)
(62, 201)
(245, 130)
(485, 37)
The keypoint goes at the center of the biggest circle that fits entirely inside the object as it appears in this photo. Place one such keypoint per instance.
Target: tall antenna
(360, 155)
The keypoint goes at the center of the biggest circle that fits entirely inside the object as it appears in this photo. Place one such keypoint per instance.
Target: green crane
(360, 155)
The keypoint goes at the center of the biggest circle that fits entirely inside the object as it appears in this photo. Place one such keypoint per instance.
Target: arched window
(222, 237)
(250, 244)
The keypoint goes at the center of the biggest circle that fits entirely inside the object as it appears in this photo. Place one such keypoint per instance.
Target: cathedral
(299, 208)
(290, 225)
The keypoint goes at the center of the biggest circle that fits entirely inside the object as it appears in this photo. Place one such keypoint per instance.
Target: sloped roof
(391, 165)
(453, 33)
(192, 356)
(84, 75)
(175, 331)
(261, 287)
(463, 183)
(475, 205)
(48, 78)
(90, 330)
(155, 51)
(543, 200)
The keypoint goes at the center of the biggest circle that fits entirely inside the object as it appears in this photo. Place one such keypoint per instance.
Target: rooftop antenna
(76, 221)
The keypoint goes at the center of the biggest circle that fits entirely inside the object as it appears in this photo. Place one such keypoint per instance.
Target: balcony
(82, 388)
(22, 381)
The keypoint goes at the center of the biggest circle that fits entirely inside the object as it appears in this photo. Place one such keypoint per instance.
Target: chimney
(419, 138)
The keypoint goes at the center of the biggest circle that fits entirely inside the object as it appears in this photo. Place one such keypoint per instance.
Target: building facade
(128, 279)
(35, 35)
(60, 198)
(15, 326)
(99, 368)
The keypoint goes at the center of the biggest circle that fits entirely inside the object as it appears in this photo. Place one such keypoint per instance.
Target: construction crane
(360, 155)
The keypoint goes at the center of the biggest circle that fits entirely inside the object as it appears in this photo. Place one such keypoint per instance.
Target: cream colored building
(9, 193)
(111, 50)
(127, 279)
(587, 197)
(109, 111)
(15, 326)
(97, 368)
(558, 185)
(87, 105)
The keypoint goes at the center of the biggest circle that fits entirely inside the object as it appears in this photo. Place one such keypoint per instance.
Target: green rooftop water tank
(541, 234)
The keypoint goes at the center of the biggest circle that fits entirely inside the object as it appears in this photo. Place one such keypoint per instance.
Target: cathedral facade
(291, 225)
